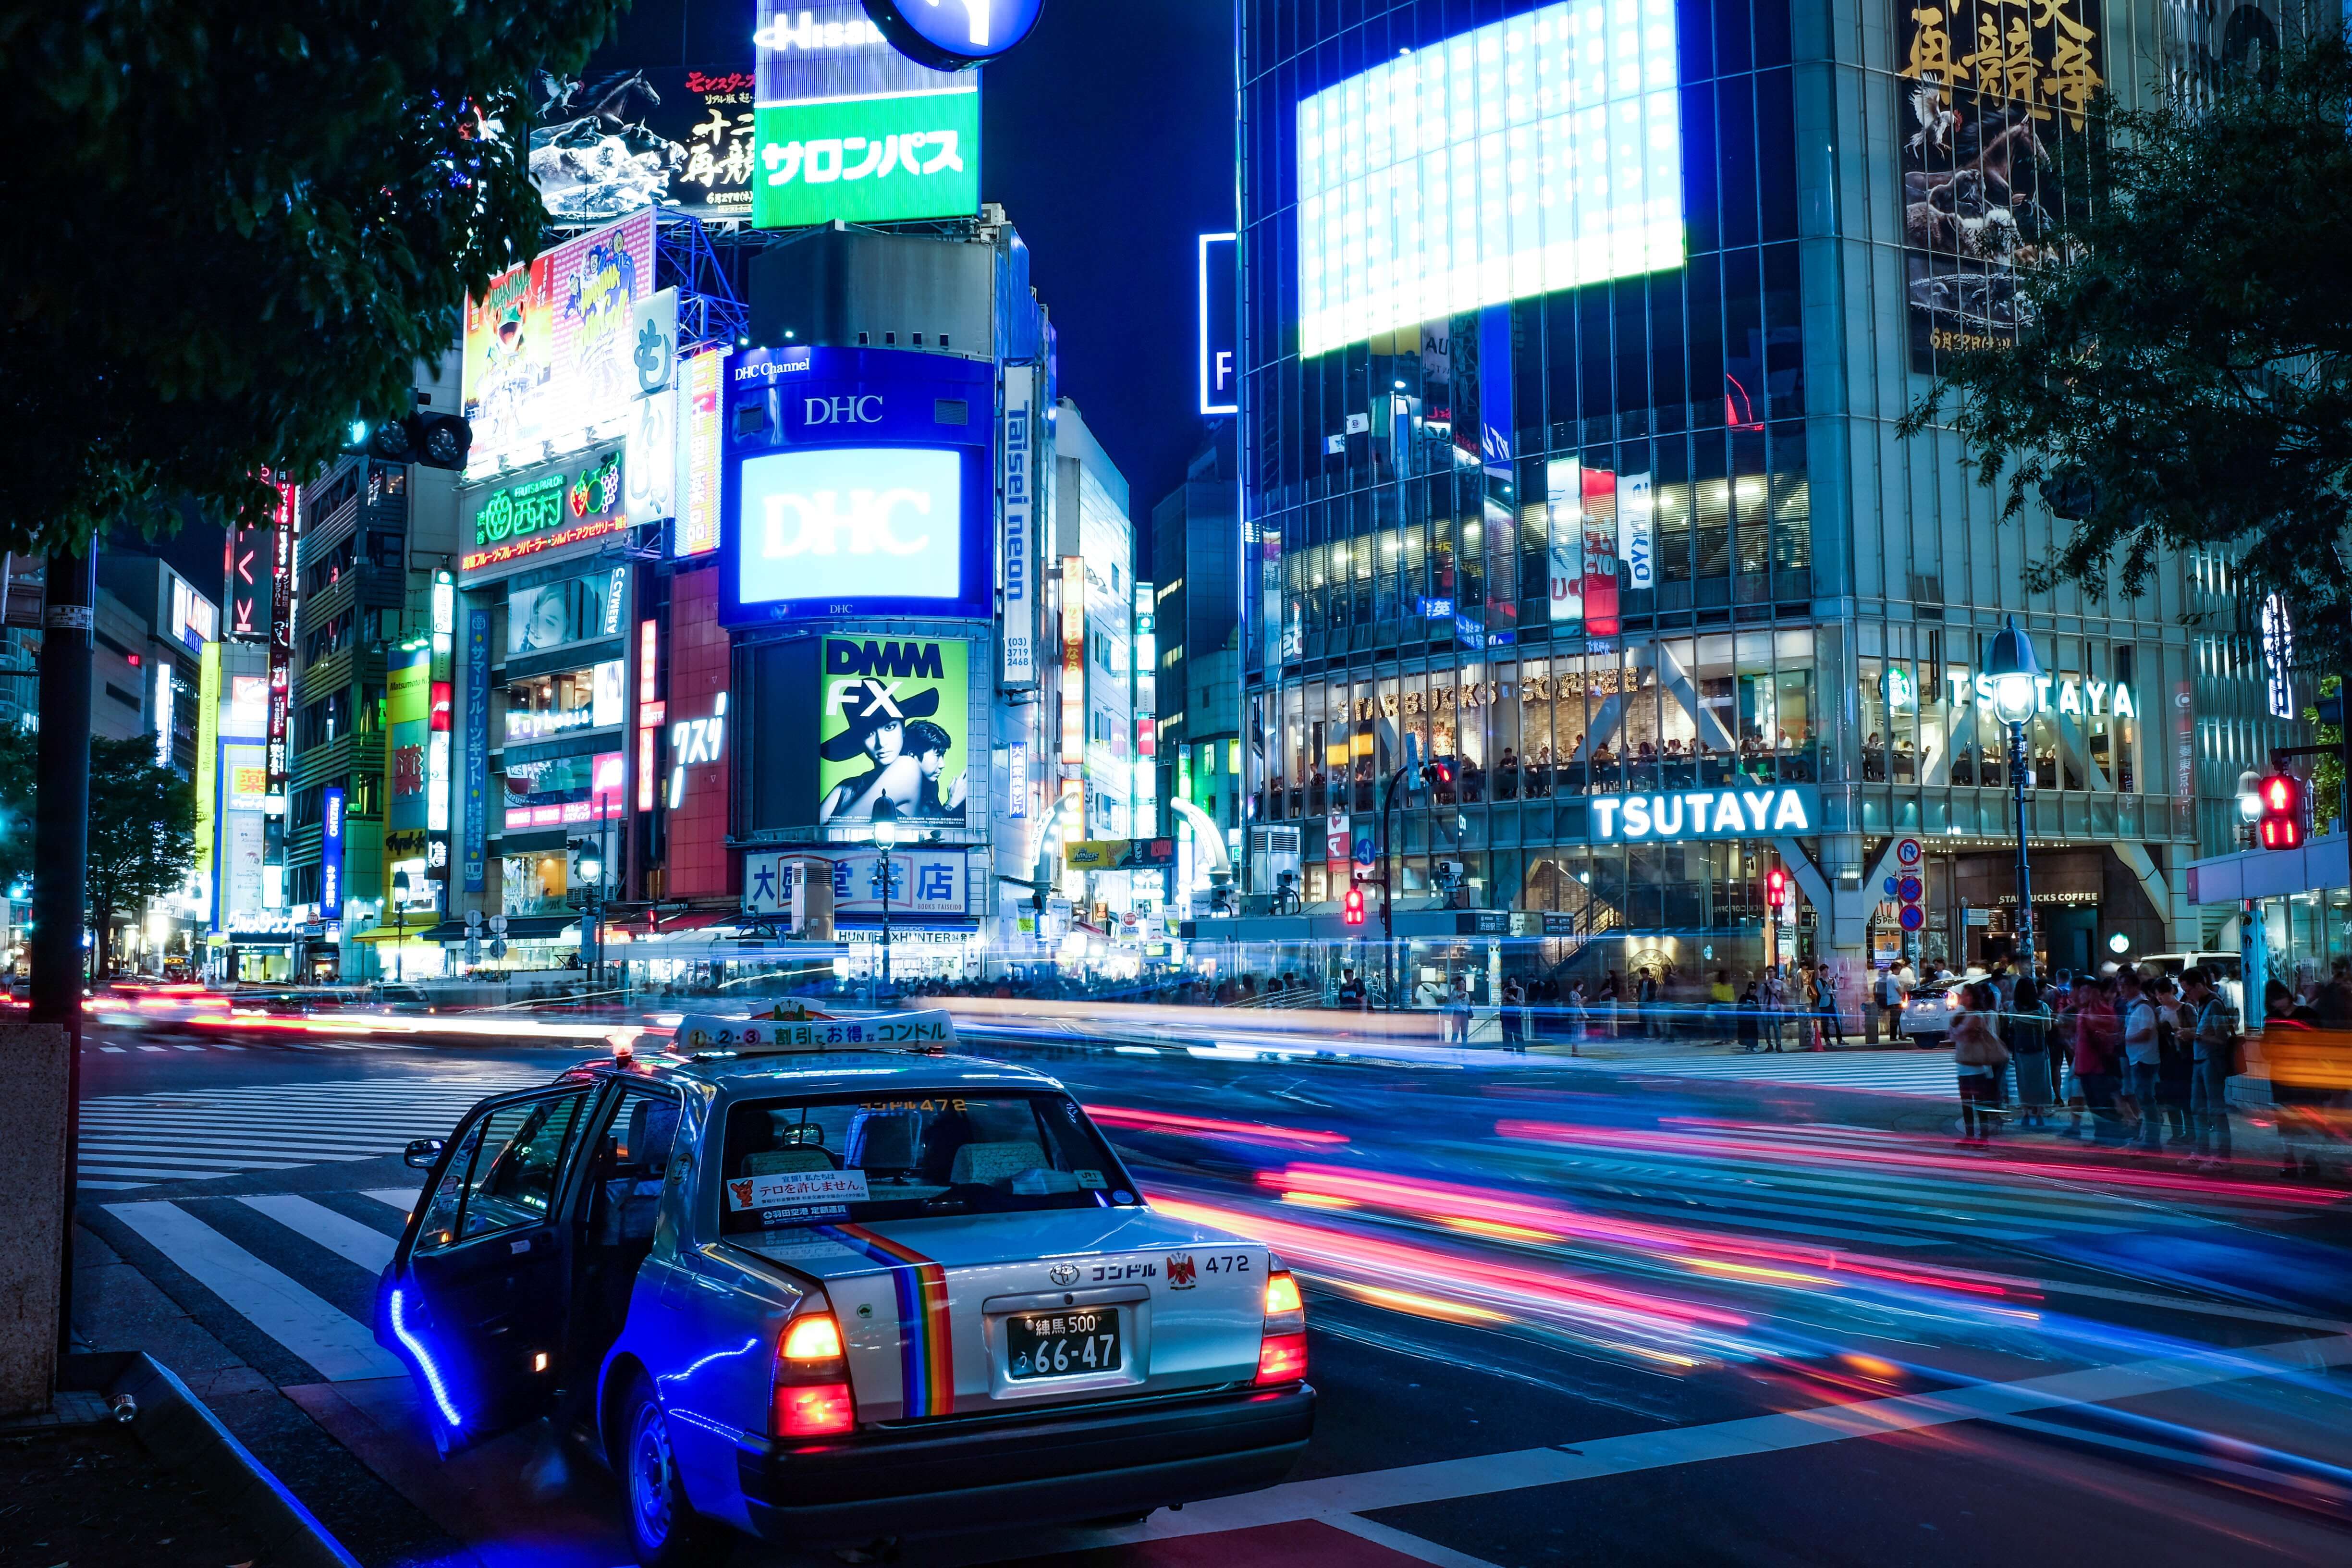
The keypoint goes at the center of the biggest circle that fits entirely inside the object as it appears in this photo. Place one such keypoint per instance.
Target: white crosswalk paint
(1890, 1072)
(402, 1198)
(332, 1340)
(203, 1134)
(338, 1232)
(112, 1050)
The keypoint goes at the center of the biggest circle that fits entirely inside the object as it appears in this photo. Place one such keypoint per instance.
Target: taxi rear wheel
(666, 1530)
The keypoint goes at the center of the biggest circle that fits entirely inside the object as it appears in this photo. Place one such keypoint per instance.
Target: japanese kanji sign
(1988, 90)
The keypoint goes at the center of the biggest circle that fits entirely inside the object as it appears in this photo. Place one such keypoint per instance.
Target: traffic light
(2280, 824)
(1776, 887)
(434, 440)
(1351, 908)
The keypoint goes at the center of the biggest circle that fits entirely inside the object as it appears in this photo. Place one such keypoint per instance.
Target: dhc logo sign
(1705, 813)
(844, 523)
(865, 410)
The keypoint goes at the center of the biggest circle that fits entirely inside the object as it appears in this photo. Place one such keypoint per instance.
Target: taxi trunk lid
(1121, 1302)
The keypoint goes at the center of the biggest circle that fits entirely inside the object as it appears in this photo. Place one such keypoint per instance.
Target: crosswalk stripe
(199, 1134)
(138, 1155)
(338, 1232)
(332, 1341)
(112, 1050)
(402, 1198)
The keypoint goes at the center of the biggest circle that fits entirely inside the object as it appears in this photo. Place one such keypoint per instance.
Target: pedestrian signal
(1351, 908)
(2280, 825)
(1776, 887)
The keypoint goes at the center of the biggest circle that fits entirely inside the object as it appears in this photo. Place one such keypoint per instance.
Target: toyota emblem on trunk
(1063, 1274)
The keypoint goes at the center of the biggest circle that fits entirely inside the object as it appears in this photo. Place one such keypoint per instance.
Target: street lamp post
(2016, 697)
(592, 872)
(886, 835)
(1388, 891)
(400, 925)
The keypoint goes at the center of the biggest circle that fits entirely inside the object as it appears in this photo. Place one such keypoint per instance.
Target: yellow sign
(1094, 854)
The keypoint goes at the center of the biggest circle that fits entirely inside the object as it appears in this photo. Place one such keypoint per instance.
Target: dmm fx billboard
(1774, 810)
(844, 126)
(857, 482)
(894, 731)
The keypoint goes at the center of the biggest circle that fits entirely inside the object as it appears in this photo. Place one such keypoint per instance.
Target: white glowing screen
(1536, 153)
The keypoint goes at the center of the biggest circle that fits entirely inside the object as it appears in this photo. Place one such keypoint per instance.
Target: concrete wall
(32, 1194)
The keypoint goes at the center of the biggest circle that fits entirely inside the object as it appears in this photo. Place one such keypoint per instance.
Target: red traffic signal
(2281, 825)
(1776, 887)
(1351, 908)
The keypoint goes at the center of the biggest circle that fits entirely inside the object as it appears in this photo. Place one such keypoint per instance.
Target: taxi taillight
(1282, 1342)
(812, 1388)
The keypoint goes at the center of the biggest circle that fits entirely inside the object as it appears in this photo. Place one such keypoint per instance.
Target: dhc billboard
(856, 482)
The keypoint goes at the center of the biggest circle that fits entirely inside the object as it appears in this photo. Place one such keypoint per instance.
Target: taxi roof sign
(707, 1034)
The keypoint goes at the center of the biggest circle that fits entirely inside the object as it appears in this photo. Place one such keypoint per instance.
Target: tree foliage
(233, 224)
(142, 835)
(2186, 362)
(19, 756)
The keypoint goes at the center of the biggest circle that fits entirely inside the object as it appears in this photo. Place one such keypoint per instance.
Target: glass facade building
(1574, 339)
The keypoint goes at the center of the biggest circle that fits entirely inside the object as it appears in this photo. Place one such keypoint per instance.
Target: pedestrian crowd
(2134, 1061)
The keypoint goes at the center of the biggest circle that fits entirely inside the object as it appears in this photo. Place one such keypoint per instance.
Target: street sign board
(1914, 916)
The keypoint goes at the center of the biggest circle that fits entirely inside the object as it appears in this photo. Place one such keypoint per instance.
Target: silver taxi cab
(804, 1285)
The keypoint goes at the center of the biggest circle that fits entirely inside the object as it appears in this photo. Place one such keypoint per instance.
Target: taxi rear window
(854, 1158)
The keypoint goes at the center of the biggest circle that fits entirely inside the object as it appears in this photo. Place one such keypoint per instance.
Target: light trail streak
(1516, 1218)
(1653, 1328)
(1180, 1126)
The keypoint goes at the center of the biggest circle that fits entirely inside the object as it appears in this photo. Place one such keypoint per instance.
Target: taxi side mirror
(421, 1153)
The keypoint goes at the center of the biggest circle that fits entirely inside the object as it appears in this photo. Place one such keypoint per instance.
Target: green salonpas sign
(866, 160)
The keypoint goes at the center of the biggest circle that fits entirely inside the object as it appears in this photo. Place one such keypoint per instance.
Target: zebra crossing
(141, 1140)
(1914, 1072)
(271, 1259)
(118, 1048)
(1852, 1187)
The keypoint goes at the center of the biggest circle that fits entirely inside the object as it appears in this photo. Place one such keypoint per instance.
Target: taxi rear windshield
(854, 1158)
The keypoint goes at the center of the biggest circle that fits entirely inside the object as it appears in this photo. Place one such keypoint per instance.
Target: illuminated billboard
(547, 352)
(856, 481)
(847, 127)
(1531, 155)
(847, 522)
(893, 735)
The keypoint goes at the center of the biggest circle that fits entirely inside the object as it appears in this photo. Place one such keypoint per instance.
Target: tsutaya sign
(2078, 697)
(1768, 813)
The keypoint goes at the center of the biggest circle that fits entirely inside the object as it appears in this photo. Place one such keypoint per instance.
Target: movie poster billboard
(894, 730)
(1988, 90)
(616, 143)
(548, 350)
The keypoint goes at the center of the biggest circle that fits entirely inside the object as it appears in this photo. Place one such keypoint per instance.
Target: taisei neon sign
(1705, 814)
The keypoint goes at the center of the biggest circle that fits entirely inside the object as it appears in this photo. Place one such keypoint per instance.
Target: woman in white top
(1978, 1059)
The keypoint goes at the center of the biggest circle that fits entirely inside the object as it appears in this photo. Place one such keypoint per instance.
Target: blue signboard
(856, 482)
(330, 854)
(474, 829)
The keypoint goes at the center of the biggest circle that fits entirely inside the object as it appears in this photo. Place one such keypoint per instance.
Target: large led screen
(847, 523)
(1531, 155)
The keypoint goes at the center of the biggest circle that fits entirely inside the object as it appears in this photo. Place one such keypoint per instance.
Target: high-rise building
(1196, 562)
(1574, 338)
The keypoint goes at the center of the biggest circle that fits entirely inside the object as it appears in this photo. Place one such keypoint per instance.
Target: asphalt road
(1560, 1312)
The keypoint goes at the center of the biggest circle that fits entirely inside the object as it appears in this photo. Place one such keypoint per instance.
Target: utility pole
(60, 851)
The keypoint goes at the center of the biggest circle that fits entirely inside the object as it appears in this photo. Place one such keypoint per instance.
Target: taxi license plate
(1063, 1344)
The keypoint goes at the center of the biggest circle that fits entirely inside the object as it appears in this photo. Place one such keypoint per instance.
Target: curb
(184, 1435)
